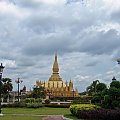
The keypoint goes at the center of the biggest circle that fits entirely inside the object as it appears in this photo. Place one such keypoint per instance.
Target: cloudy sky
(85, 35)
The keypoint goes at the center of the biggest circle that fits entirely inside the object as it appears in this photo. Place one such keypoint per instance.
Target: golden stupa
(55, 86)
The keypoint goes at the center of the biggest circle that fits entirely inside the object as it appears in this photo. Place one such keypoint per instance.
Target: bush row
(13, 105)
(35, 105)
(101, 114)
(27, 105)
(33, 100)
(58, 105)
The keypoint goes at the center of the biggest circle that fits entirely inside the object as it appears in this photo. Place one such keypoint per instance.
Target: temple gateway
(55, 86)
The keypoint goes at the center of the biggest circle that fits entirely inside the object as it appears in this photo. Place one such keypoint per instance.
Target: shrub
(47, 101)
(38, 100)
(29, 100)
(96, 99)
(14, 105)
(101, 114)
(82, 100)
(82, 107)
(58, 105)
(34, 105)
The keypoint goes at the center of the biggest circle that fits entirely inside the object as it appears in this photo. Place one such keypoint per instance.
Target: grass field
(42, 111)
(20, 118)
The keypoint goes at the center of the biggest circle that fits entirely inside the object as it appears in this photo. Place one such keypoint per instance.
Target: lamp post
(18, 82)
(1, 71)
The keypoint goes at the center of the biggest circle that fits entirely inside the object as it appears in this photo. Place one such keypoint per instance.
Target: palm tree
(92, 88)
(6, 85)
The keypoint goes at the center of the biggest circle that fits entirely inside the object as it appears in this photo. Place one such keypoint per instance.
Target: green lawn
(42, 111)
(20, 118)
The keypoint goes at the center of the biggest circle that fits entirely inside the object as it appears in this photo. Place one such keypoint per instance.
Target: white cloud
(11, 9)
(86, 37)
(52, 2)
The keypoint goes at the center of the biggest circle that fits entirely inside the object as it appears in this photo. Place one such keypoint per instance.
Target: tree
(114, 93)
(6, 85)
(107, 97)
(38, 92)
(100, 87)
(115, 84)
(92, 88)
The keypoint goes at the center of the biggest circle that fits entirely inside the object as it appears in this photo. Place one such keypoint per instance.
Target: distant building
(55, 86)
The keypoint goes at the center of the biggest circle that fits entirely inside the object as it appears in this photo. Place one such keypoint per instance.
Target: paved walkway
(54, 117)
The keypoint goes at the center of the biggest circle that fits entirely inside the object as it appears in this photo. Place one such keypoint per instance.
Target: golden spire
(55, 66)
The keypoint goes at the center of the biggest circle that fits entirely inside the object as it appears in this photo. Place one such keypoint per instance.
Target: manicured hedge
(82, 107)
(13, 105)
(57, 105)
(94, 112)
(101, 114)
(34, 105)
(20, 105)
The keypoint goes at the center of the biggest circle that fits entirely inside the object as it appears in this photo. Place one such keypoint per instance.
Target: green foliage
(92, 88)
(27, 100)
(114, 92)
(108, 98)
(38, 92)
(100, 114)
(14, 105)
(6, 85)
(88, 107)
(100, 87)
(107, 101)
(115, 84)
(82, 100)
(47, 101)
(96, 99)
(38, 100)
(34, 105)
(57, 105)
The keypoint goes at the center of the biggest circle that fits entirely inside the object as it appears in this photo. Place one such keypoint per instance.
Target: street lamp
(1, 71)
(18, 82)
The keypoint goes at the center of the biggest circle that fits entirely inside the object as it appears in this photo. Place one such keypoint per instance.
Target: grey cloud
(115, 16)
(25, 3)
(48, 45)
(91, 64)
(101, 43)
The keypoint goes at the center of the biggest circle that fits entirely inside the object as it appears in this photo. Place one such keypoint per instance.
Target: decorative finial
(55, 66)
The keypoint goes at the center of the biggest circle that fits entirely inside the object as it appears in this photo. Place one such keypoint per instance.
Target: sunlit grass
(20, 118)
(42, 111)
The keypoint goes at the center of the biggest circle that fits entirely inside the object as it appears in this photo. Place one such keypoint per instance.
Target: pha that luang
(55, 86)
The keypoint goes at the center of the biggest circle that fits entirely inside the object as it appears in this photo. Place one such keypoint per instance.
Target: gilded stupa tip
(55, 65)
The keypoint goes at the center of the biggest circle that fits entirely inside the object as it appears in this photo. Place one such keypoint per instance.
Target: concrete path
(54, 117)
